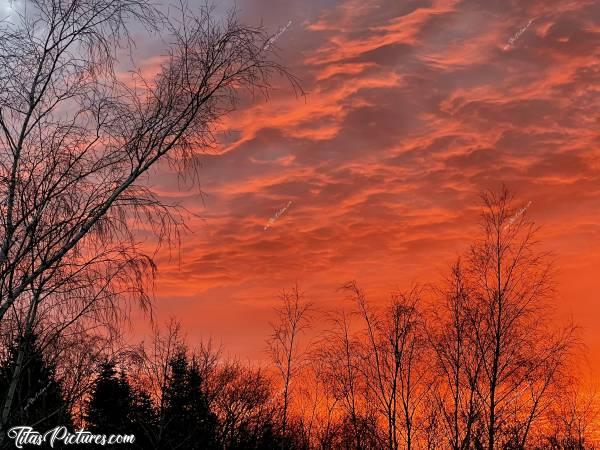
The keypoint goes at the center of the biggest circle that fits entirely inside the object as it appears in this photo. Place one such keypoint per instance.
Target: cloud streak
(412, 109)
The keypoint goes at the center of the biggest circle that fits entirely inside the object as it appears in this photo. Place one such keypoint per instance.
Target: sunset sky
(412, 108)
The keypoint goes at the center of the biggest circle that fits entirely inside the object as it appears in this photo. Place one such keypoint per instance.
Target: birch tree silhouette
(77, 143)
(511, 282)
(458, 363)
(391, 355)
(283, 345)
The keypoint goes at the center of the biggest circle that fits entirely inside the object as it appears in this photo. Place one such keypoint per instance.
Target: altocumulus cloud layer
(412, 109)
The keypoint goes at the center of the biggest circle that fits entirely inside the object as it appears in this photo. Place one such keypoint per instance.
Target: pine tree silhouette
(38, 399)
(264, 436)
(110, 405)
(188, 421)
(116, 408)
(144, 421)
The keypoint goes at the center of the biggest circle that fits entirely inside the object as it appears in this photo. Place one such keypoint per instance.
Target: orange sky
(412, 109)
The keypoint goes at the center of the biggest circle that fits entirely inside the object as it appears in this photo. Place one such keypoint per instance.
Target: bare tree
(75, 356)
(339, 356)
(511, 283)
(572, 417)
(149, 364)
(458, 362)
(391, 355)
(241, 397)
(77, 144)
(293, 317)
(319, 416)
(60, 312)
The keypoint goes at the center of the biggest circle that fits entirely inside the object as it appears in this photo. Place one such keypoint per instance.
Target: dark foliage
(38, 400)
(186, 420)
(110, 407)
(187, 416)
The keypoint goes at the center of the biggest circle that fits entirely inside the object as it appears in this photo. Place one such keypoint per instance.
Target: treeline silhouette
(78, 145)
(476, 361)
(200, 403)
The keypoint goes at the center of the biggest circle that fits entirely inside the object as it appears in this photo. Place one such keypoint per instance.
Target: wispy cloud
(412, 109)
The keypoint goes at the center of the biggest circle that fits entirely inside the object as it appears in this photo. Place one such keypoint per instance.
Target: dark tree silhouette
(457, 362)
(143, 418)
(242, 399)
(116, 408)
(395, 380)
(521, 357)
(238, 401)
(110, 405)
(187, 420)
(284, 347)
(77, 142)
(38, 400)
